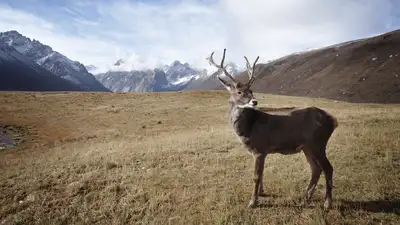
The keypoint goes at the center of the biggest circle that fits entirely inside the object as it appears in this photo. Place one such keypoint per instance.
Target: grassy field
(171, 158)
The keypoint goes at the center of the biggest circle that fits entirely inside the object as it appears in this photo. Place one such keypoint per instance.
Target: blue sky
(155, 32)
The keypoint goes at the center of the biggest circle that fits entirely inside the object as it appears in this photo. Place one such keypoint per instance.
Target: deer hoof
(327, 204)
(253, 203)
(304, 203)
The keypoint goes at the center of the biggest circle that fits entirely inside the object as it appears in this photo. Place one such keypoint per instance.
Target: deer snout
(253, 102)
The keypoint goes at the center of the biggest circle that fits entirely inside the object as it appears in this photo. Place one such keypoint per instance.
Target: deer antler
(221, 67)
(250, 70)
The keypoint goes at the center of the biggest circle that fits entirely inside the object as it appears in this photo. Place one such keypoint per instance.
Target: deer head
(241, 94)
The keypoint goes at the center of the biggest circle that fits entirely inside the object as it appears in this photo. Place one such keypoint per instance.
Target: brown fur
(262, 133)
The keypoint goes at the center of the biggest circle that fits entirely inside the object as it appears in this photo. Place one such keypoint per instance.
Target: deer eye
(239, 92)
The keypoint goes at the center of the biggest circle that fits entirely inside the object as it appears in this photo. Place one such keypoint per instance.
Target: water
(6, 141)
(11, 136)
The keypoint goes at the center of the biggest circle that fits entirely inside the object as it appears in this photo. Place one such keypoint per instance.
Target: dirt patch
(12, 135)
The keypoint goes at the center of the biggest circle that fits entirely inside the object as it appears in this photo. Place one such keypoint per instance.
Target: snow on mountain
(174, 77)
(135, 81)
(18, 73)
(90, 68)
(184, 80)
(178, 71)
(52, 61)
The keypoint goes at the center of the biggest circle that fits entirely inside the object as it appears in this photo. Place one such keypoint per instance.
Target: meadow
(171, 158)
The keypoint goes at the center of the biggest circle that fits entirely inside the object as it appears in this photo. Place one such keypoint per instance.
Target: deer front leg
(259, 160)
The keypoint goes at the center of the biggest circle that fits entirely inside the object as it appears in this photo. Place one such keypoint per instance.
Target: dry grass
(101, 158)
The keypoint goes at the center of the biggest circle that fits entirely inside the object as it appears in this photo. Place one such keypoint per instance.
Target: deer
(306, 130)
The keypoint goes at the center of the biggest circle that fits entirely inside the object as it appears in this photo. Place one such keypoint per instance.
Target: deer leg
(261, 189)
(315, 175)
(328, 172)
(259, 160)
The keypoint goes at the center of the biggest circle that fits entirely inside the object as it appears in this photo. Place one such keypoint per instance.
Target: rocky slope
(18, 73)
(52, 61)
(135, 81)
(365, 70)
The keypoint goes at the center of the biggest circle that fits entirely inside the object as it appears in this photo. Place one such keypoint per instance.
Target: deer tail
(333, 119)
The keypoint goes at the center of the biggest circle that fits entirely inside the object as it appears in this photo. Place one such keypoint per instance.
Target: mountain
(174, 77)
(90, 68)
(18, 73)
(178, 72)
(134, 81)
(208, 80)
(52, 61)
(363, 71)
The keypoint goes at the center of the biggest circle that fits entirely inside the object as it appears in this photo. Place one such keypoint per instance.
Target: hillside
(170, 158)
(18, 73)
(366, 70)
(52, 61)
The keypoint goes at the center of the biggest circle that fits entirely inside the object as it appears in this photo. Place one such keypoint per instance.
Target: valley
(170, 158)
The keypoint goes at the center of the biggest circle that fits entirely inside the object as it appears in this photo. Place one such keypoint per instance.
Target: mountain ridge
(362, 71)
(18, 73)
(177, 76)
(52, 61)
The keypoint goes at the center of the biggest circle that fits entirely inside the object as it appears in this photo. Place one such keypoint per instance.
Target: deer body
(304, 130)
(261, 132)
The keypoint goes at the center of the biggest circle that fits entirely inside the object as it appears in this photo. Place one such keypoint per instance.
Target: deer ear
(226, 84)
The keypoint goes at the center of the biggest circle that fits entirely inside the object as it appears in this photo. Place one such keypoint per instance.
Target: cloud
(274, 28)
(151, 33)
(85, 48)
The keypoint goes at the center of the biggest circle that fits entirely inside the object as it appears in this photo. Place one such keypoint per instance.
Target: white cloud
(274, 28)
(155, 33)
(86, 49)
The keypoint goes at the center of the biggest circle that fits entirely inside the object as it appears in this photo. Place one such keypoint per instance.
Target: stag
(262, 133)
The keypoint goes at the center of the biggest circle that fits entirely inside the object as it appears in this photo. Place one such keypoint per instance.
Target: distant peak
(20, 39)
(119, 62)
(176, 63)
(12, 32)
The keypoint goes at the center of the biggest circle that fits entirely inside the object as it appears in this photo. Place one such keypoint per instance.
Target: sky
(151, 33)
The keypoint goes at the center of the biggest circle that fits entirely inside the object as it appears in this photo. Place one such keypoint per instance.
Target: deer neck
(234, 113)
(241, 119)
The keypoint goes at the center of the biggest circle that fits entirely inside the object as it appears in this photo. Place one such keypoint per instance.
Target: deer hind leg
(328, 172)
(259, 160)
(261, 191)
(315, 175)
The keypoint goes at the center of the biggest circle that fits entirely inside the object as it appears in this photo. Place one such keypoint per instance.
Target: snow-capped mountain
(174, 77)
(120, 76)
(177, 72)
(90, 68)
(134, 81)
(52, 61)
(208, 79)
(18, 73)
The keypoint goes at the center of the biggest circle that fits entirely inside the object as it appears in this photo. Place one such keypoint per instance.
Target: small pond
(11, 136)
(6, 141)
